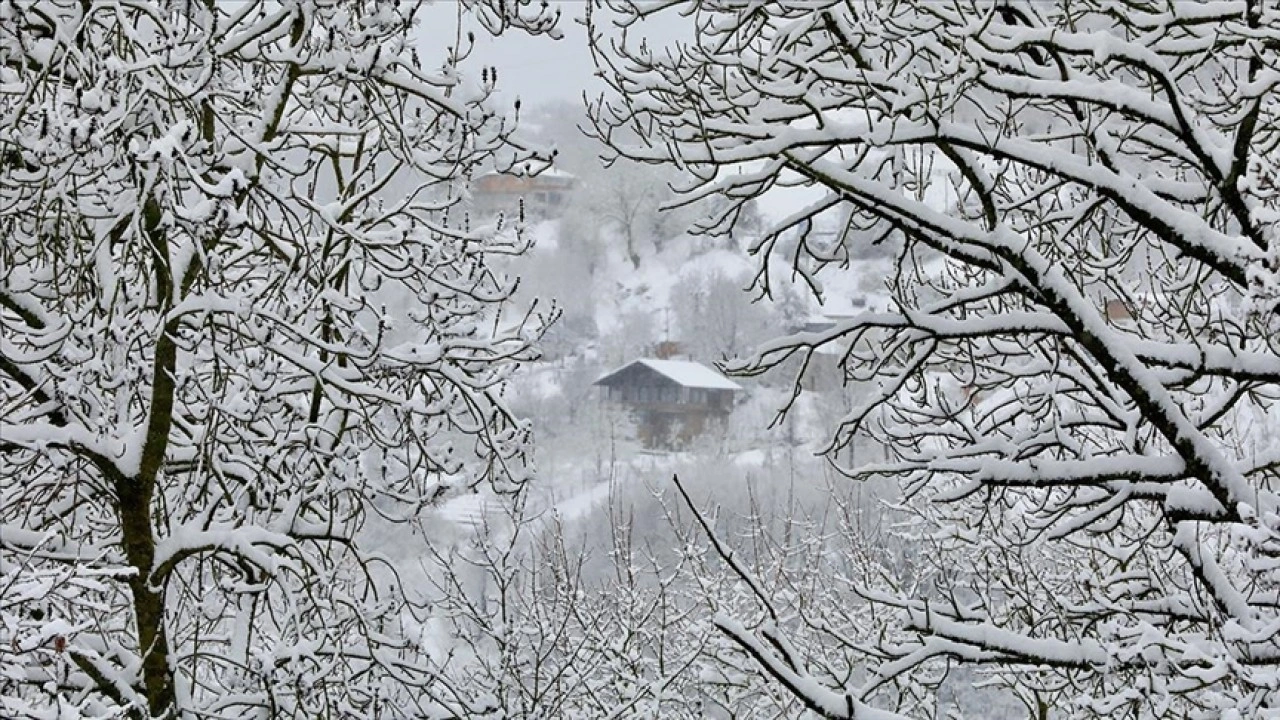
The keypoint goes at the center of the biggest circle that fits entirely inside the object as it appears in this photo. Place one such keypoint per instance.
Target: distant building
(1118, 310)
(674, 400)
(544, 195)
(824, 368)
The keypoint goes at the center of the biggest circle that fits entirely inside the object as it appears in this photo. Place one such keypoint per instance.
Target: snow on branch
(1074, 371)
(238, 321)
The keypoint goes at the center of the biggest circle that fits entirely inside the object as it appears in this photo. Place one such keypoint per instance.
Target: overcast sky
(540, 69)
(535, 69)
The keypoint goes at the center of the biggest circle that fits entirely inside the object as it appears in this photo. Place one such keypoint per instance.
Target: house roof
(682, 372)
(554, 176)
(557, 173)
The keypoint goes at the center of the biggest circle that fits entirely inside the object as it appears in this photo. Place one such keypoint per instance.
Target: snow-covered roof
(547, 173)
(552, 172)
(683, 372)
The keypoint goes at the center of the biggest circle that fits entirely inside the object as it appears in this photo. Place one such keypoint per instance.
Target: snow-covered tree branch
(238, 318)
(1078, 375)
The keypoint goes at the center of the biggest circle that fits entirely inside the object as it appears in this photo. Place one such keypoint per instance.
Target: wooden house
(673, 400)
(544, 195)
(1118, 310)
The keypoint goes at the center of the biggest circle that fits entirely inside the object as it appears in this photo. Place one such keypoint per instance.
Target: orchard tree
(536, 636)
(203, 206)
(616, 202)
(1079, 374)
(627, 200)
(716, 318)
(596, 617)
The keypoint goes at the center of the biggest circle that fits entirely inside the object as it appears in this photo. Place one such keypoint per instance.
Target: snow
(552, 172)
(583, 504)
(683, 372)
(1131, 441)
(815, 694)
(473, 510)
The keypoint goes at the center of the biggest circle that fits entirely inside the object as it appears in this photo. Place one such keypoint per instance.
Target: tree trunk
(135, 497)
(632, 254)
(148, 602)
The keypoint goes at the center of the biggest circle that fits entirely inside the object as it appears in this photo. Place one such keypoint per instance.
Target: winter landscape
(848, 359)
